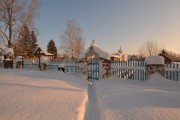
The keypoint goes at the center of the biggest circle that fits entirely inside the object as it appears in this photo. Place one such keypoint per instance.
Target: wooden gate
(93, 70)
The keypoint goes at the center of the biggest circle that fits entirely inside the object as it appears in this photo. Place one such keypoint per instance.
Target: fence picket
(120, 69)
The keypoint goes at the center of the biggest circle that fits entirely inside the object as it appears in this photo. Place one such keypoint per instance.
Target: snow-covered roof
(115, 55)
(43, 51)
(46, 53)
(98, 50)
(154, 60)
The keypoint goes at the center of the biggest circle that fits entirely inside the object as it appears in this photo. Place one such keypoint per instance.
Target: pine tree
(23, 43)
(27, 43)
(51, 48)
(33, 43)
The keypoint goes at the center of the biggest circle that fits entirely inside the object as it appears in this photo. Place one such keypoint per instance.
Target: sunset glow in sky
(113, 23)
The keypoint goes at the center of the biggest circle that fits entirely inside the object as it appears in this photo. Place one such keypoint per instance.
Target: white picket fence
(134, 70)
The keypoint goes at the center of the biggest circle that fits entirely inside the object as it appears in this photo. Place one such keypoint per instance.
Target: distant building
(167, 59)
(43, 53)
(133, 58)
(119, 56)
(60, 57)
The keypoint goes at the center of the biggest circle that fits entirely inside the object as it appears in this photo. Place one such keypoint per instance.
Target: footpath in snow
(94, 110)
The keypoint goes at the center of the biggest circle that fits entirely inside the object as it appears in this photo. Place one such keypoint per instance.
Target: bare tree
(149, 48)
(72, 42)
(14, 14)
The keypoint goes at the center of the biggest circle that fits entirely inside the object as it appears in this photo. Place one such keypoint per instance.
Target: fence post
(177, 76)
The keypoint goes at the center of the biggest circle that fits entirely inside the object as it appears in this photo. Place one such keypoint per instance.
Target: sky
(112, 23)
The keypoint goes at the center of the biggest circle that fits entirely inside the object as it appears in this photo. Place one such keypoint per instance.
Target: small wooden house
(167, 59)
(40, 52)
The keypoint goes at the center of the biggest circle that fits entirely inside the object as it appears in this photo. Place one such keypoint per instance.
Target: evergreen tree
(27, 43)
(23, 42)
(33, 43)
(51, 48)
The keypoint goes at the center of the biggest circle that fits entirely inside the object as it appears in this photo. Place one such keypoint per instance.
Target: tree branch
(4, 34)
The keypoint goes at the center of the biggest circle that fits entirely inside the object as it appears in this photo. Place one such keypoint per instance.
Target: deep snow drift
(50, 95)
(155, 99)
(37, 95)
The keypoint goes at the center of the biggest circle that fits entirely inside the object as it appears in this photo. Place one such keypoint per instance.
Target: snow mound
(154, 60)
(156, 76)
(36, 95)
(157, 79)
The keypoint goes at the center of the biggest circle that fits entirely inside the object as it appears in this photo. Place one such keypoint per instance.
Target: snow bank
(157, 80)
(154, 60)
(36, 95)
(156, 99)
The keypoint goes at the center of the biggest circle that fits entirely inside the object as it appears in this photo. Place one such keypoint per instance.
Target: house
(167, 59)
(40, 52)
(94, 52)
(133, 58)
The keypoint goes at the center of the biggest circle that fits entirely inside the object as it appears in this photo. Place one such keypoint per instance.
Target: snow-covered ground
(156, 99)
(50, 95)
(37, 95)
